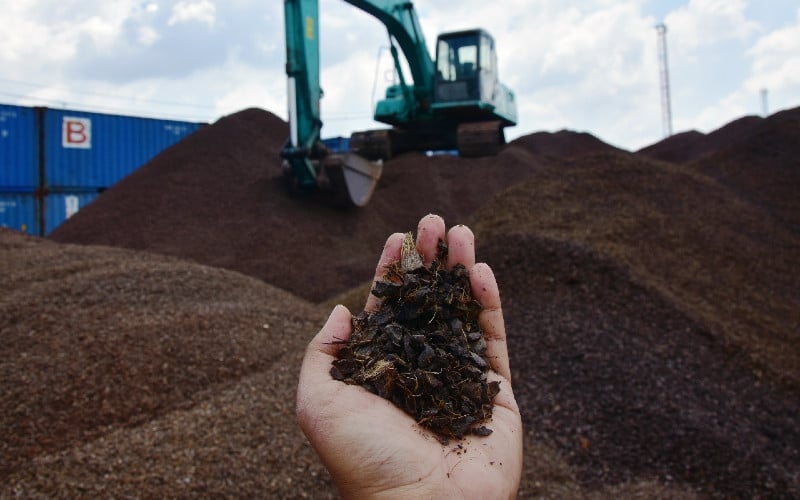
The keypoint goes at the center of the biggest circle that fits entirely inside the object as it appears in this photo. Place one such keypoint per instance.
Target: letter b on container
(76, 132)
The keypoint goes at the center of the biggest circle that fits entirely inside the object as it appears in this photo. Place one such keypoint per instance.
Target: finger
(485, 291)
(315, 370)
(337, 328)
(460, 247)
(429, 231)
(390, 254)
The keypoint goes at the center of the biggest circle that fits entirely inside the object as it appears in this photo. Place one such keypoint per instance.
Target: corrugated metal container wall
(19, 149)
(20, 212)
(59, 207)
(85, 150)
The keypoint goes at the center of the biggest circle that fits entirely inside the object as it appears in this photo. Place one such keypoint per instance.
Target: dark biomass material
(423, 348)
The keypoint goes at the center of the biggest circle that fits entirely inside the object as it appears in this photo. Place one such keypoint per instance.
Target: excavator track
(372, 144)
(472, 139)
(480, 139)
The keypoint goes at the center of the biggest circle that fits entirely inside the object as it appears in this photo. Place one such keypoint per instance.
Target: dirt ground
(151, 346)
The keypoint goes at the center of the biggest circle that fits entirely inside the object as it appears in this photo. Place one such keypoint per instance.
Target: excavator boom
(308, 165)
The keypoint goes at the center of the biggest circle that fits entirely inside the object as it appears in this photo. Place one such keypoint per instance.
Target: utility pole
(764, 107)
(663, 67)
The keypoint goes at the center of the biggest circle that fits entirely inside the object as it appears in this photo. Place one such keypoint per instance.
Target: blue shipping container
(89, 151)
(59, 207)
(19, 149)
(337, 144)
(19, 211)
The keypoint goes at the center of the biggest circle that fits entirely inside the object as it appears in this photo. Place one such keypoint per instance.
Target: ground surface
(651, 302)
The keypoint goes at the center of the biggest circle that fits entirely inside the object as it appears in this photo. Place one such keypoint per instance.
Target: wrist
(421, 490)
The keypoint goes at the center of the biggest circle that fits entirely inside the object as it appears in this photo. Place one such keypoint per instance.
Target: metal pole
(663, 66)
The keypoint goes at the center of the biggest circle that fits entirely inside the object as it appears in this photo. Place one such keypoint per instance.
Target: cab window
(457, 58)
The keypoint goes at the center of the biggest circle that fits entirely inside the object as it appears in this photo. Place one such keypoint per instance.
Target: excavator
(454, 102)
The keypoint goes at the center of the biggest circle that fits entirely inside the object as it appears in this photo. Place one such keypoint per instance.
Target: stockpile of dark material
(650, 301)
(131, 372)
(754, 157)
(219, 199)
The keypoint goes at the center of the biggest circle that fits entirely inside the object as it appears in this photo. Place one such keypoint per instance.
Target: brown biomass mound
(715, 255)
(677, 148)
(560, 145)
(762, 167)
(691, 145)
(423, 349)
(627, 386)
(218, 198)
(643, 341)
(100, 343)
(238, 441)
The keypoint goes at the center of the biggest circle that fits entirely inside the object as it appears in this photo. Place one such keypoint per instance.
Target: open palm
(372, 448)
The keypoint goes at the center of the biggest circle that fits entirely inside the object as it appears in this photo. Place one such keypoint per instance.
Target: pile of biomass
(691, 145)
(629, 386)
(650, 302)
(754, 157)
(218, 198)
(131, 374)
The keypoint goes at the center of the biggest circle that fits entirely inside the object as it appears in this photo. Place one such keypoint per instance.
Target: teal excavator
(453, 103)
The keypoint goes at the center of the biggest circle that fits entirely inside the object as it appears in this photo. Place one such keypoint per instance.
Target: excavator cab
(467, 89)
(466, 75)
(458, 68)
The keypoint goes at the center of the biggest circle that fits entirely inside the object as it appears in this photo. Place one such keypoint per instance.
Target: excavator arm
(303, 90)
(308, 163)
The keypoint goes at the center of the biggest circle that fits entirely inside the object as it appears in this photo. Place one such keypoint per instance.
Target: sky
(583, 65)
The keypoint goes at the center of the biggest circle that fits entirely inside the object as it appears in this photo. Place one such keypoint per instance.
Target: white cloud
(240, 87)
(147, 35)
(776, 59)
(709, 22)
(24, 36)
(47, 36)
(719, 112)
(202, 11)
(102, 31)
(775, 67)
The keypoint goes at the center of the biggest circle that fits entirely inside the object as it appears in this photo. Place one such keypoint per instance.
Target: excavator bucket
(351, 179)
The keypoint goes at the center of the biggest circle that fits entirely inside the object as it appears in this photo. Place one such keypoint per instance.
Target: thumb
(315, 370)
(337, 328)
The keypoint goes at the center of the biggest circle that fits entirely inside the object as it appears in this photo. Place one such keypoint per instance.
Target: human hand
(371, 448)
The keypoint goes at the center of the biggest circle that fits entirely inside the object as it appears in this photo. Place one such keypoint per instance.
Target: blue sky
(584, 65)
